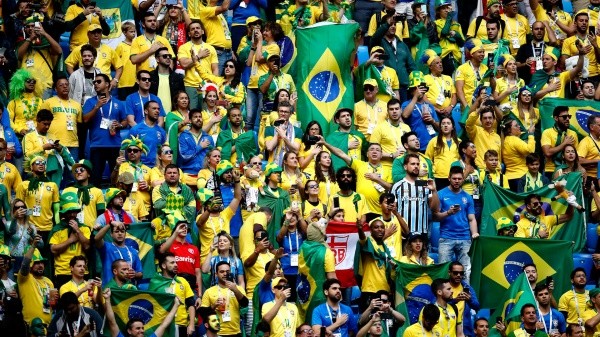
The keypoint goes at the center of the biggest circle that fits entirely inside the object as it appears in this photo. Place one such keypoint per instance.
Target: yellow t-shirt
(66, 116)
(540, 15)
(90, 211)
(481, 32)
(215, 27)
(287, 18)
(564, 78)
(394, 242)
(460, 305)
(326, 189)
(210, 297)
(192, 77)
(401, 29)
(443, 160)
(494, 177)
(32, 144)
(354, 205)
(33, 292)
(388, 136)
(442, 86)
(22, 112)
(141, 173)
(368, 188)
(255, 273)
(212, 227)
(588, 149)
(502, 85)
(374, 276)
(413, 260)
(288, 180)
(141, 43)
(128, 76)
(366, 117)
(285, 321)
(587, 314)
(10, 177)
(247, 233)
(61, 261)
(181, 288)
(84, 299)
(43, 198)
(390, 78)
(206, 116)
(570, 49)
(466, 72)
(135, 208)
(514, 152)
(106, 60)
(417, 330)
(158, 174)
(515, 31)
(39, 69)
(79, 34)
(259, 69)
(482, 139)
(568, 303)
(549, 138)
(525, 228)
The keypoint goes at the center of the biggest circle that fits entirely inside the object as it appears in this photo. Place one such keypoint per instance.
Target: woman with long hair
(212, 114)
(290, 238)
(232, 90)
(164, 157)
(177, 120)
(570, 163)
(525, 114)
(443, 151)
(325, 176)
(468, 153)
(507, 88)
(224, 245)
(292, 179)
(415, 250)
(174, 23)
(309, 149)
(313, 208)
(207, 177)
(514, 151)
(19, 233)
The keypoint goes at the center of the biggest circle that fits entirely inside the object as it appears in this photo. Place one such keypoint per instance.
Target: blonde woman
(19, 232)
(164, 157)
(223, 250)
(207, 177)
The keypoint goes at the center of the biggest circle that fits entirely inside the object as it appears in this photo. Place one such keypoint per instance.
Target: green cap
(69, 202)
(272, 168)
(224, 166)
(86, 164)
(111, 193)
(503, 223)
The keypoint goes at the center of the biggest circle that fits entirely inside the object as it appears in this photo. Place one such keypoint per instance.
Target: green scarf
(245, 145)
(159, 283)
(83, 193)
(63, 225)
(382, 258)
(35, 181)
(277, 205)
(533, 184)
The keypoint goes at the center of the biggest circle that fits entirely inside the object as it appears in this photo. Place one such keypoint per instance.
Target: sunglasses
(255, 164)
(384, 300)
(312, 186)
(166, 56)
(133, 150)
(279, 287)
(79, 170)
(369, 88)
(30, 80)
(167, 152)
(145, 79)
(98, 82)
(40, 162)
(19, 207)
(565, 116)
(458, 272)
(307, 331)
(526, 95)
(230, 66)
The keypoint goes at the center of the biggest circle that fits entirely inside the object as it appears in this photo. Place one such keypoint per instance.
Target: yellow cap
(94, 27)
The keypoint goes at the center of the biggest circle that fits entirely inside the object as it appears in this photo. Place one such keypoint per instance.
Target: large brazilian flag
(150, 307)
(509, 306)
(501, 260)
(413, 289)
(580, 112)
(141, 237)
(323, 71)
(500, 202)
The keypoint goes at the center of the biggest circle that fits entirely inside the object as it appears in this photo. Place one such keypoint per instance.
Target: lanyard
(121, 255)
(423, 330)
(549, 327)
(576, 304)
(142, 105)
(441, 87)
(331, 316)
(371, 109)
(227, 298)
(221, 223)
(290, 241)
(476, 72)
(109, 109)
(510, 30)
(446, 319)
(287, 324)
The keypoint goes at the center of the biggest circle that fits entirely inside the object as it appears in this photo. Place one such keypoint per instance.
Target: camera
(398, 17)
(313, 139)
(383, 57)
(278, 122)
(490, 102)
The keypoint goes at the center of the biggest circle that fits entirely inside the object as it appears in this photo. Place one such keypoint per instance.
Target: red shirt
(187, 257)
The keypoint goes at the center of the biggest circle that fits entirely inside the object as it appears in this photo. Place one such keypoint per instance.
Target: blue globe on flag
(513, 265)
(582, 117)
(324, 86)
(141, 309)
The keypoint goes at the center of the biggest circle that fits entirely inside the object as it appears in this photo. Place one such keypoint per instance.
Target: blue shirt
(322, 316)
(558, 322)
(456, 226)
(237, 268)
(153, 137)
(227, 192)
(135, 105)
(415, 121)
(251, 8)
(190, 156)
(110, 252)
(291, 245)
(113, 110)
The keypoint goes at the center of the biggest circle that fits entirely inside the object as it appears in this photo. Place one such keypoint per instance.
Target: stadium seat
(435, 237)
(363, 54)
(585, 261)
(567, 6)
(592, 237)
(434, 256)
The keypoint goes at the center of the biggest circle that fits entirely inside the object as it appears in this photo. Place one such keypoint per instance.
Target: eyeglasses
(166, 56)
(230, 66)
(39, 162)
(306, 331)
(167, 152)
(458, 272)
(145, 79)
(30, 80)
(98, 82)
(133, 150)
(255, 164)
(312, 186)
(565, 116)
(79, 170)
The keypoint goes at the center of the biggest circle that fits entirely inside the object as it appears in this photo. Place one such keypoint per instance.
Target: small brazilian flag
(413, 289)
(149, 307)
(580, 112)
(141, 233)
(501, 260)
(323, 70)
(509, 307)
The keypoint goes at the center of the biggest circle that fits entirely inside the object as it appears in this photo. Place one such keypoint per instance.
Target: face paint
(213, 323)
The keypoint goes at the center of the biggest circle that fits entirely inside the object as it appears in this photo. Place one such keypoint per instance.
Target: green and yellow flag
(580, 112)
(413, 289)
(500, 202)
(311, 275)
(501, 260)
(323, 70)
(509, 308)
(150, 307)
(141, 233)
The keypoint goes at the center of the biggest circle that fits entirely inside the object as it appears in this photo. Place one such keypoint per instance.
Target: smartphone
(37, 25)
(313, 139)
(29, 212)
(422, 183)
(592, 30)
(424, 9)
(336, 202)
(56, 142)
(383, 57)
(467, 290)
(294, 186)
(171, 2)
(101, 95)
(499, 319)
(491, 58)
(456, 206)
(278, 122)
(229, 277)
